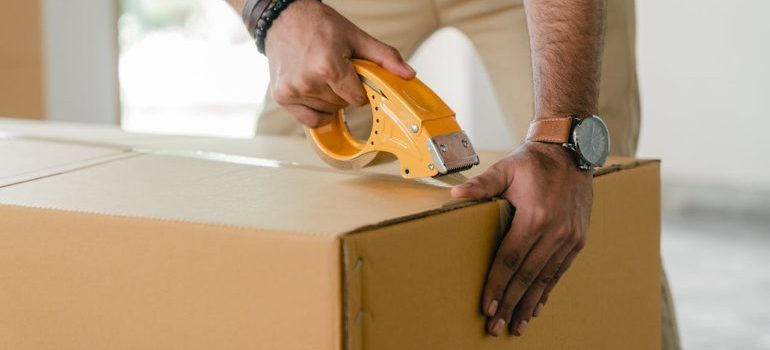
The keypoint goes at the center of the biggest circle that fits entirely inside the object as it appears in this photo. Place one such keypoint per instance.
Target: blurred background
(188, 67)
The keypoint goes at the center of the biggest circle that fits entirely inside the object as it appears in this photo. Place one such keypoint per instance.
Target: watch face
(592, 140)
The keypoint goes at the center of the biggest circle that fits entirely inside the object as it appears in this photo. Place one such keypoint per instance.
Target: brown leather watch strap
(551, 130)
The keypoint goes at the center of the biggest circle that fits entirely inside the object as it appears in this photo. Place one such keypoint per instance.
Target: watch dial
(592, 140)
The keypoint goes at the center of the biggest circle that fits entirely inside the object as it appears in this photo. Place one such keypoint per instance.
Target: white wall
(448, 64)
(80, 49)
(704, 68)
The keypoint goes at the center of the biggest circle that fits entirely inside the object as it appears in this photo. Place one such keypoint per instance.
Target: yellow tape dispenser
(408, 120)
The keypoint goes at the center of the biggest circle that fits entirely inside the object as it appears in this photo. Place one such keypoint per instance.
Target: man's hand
(309, 47)
(553, 205)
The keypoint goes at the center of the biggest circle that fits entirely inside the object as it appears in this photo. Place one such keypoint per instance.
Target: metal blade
(447, 181)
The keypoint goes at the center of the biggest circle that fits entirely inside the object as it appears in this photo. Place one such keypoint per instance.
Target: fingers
(348, 86)
(312, 104)
(529, 305)
(509, 262)
(303, 89)
(492, 182)
(547, 230)
(560, 272)
(310, 117)
(524, 278)
(323, 91)
(386, 56)
(318, 104)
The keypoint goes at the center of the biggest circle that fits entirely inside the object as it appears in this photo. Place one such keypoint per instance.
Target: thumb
(494, 181)
(384, 55)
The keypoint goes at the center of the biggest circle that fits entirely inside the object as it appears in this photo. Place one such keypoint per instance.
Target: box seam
(70, 167)
(156, 219)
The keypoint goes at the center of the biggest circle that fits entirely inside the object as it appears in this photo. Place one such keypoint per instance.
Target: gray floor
(719, 267)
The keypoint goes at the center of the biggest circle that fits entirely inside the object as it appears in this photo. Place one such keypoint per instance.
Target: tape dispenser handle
(335, 142)
(400, 108)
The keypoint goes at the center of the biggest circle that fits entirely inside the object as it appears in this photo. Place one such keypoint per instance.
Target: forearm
(566, 38)
(237, 5)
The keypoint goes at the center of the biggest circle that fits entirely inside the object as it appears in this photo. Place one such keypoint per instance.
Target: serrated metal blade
(447, 181)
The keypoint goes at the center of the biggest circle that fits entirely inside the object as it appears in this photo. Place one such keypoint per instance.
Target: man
(557, 43)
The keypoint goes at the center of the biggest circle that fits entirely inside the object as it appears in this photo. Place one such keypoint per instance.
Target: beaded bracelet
(259, 16)
(266, 21)
(252, 12)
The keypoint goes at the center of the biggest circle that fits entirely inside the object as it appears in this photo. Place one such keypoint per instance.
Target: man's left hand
(553, 200)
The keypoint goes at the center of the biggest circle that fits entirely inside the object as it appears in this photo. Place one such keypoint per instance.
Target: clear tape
(446, 181)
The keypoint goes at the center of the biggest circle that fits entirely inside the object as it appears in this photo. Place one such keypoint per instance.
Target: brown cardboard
(21, 59)
(26, 159)
(158, 249)
(608, 299)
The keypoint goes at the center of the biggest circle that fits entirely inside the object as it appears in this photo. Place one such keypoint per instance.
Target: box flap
(74, 281)
(25, 160)
(417, 285)
(178, 188)
(76, 132)
(270, 196)
(292, 149)
(263, 147)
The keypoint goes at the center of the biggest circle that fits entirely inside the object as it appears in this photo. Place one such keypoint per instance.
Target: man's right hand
(309, 48)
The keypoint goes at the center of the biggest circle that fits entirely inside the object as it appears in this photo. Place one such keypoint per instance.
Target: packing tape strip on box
(445, 182)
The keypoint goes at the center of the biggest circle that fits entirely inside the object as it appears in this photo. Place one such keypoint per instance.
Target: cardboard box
(125, 241)
(21, 59)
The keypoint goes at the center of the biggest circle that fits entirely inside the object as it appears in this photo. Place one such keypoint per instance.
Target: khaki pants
(498, 30)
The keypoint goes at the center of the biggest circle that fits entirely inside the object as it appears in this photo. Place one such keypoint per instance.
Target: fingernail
(499, 327)
(410, 68)
(465, 185)
(538, 308)
(492, 308)
(522, 326)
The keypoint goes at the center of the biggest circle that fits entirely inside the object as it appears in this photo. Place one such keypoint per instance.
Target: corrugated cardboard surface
(162, 251)
(426, 295)
(78, 281)
(195, 190)
(21, 59)
(294, 150)
(24, 160)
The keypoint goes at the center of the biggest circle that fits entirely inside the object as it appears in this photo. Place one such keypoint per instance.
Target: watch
(587, 138)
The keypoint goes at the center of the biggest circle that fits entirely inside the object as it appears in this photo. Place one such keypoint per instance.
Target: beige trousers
(498, 30)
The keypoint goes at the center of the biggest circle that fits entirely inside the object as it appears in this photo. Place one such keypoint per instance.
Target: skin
(309, 48)
(551, 196)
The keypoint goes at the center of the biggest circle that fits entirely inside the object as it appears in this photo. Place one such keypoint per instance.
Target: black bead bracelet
(263, 24)
(258, 15)
(266, 21)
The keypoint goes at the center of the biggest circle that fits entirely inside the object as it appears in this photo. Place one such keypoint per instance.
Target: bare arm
(237, 5)
(551, 196)
(309, 49)
(566, 38)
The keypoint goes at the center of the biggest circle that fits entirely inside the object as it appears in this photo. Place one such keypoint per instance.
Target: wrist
(295, 14)
(251, 12)
(273, 15)
(554, 152)
(556, 157)
(586, 138)
(579, 113)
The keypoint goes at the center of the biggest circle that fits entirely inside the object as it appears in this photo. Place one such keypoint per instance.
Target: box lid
(201, 243)
(267, 183)
(23, 160)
